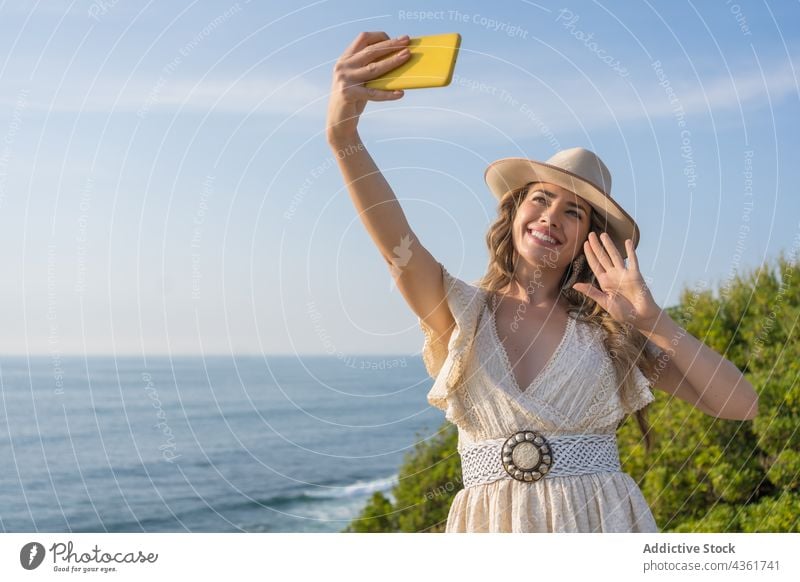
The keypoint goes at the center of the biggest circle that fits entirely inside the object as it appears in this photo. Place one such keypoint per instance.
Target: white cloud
(306, 98)
(164, 92)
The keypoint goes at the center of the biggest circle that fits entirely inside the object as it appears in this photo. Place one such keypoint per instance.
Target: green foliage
(705, 474)
(721, 518)
(378, 516)
(785, 470)
(428, 480)
(773, 514)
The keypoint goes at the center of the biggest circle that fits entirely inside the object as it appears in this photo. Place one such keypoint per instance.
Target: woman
(539, 362)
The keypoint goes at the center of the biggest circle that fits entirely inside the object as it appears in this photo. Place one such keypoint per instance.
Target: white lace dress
(574, 394)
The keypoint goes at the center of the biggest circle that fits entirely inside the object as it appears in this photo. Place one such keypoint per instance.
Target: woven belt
(528, 456)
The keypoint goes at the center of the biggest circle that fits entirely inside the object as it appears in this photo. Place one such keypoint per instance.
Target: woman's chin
(540, 260)
(538, 253)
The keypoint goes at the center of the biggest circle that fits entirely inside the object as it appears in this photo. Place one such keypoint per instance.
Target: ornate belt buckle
(526, 455)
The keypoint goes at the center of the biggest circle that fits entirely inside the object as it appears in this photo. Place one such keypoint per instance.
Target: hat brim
(509, 174)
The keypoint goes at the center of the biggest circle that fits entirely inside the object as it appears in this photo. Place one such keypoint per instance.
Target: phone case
(431, 64)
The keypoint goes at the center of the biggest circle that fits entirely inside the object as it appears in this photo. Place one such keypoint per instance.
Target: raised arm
(416, 271)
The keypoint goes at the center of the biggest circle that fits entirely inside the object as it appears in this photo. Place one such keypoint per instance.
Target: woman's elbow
(752, 412)
(748, 410)
(738, 411)
(747, 401)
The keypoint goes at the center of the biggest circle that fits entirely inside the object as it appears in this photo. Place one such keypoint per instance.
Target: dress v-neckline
(509, 371)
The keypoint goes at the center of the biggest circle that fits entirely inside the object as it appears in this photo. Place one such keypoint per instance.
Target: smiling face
(551, 225)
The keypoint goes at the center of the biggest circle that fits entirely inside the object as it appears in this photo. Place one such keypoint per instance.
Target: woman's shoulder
(462, 292)
(475, 284)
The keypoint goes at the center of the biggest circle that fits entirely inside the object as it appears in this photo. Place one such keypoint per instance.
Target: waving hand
(623, 292)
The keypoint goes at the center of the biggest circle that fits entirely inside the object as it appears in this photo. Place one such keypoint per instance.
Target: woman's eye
(574, 212)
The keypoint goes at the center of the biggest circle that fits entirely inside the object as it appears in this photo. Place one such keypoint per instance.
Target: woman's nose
(547, 218)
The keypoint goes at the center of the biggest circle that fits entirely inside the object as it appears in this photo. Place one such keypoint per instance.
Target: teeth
(543, 237)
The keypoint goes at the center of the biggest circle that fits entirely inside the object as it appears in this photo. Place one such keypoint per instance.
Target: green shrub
(428, 480)
(785, 470)
(773, 514)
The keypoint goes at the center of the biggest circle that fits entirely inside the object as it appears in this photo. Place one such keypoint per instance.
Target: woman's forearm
(717, 381)
(373, 198)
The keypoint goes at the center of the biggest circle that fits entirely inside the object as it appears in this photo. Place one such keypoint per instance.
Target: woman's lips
(540, 241)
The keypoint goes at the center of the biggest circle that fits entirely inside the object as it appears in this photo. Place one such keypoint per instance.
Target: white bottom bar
(407, 557)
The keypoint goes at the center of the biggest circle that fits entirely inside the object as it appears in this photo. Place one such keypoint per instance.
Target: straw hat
(577, 170)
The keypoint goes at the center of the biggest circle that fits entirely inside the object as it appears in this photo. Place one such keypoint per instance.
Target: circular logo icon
(31, 555)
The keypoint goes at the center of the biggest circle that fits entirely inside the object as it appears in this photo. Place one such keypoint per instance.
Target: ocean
(214, 444)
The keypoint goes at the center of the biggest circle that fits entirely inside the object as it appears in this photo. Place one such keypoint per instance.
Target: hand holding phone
(431, 64)
(361, 62)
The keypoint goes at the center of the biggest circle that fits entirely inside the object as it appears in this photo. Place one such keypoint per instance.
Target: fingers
(592, 292)
(378, 50)
(613, 251)
(373, 94)
(597, 268)
(368, 57)
(378, 68)
(600, 254)
(363, 40)
(633, 262)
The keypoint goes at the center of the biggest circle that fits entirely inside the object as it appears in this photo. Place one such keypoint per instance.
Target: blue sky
(165, 184)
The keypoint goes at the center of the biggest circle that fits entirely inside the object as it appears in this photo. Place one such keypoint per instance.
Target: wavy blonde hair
(625, 345)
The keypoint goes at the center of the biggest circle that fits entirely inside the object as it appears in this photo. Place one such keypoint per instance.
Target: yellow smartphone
(431, 64)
